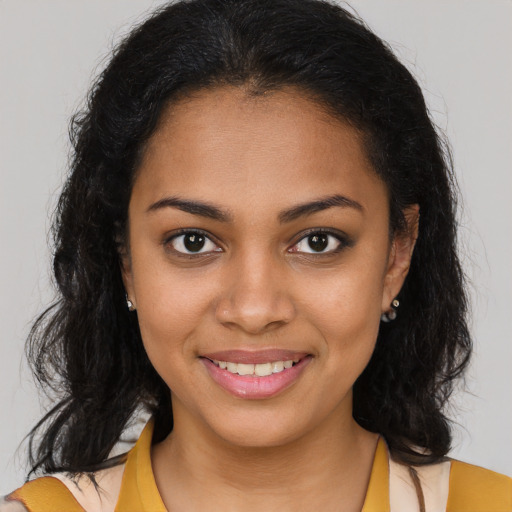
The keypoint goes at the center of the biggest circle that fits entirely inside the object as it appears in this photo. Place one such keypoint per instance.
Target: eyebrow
(211, 211)
(194, 207)
(318, 205)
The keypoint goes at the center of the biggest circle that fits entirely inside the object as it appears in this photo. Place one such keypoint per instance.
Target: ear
(400, 256)
(125, 263)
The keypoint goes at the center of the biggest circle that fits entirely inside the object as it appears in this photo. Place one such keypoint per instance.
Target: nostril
(255, 313)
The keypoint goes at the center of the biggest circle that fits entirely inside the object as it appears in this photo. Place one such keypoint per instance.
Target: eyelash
(341, 238)
(182, 233)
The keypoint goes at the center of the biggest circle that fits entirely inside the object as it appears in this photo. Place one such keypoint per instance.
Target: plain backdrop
(458, 49)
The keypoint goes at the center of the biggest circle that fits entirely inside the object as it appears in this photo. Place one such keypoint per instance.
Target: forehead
(273, 147)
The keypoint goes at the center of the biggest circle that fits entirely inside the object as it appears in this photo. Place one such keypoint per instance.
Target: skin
(258, 286)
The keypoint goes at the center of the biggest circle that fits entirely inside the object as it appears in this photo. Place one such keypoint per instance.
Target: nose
(256, 298)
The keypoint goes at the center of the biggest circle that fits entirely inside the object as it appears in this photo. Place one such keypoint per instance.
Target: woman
(256, 245)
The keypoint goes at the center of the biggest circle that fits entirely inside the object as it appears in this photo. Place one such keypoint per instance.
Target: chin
(259, 438)
(267, 431)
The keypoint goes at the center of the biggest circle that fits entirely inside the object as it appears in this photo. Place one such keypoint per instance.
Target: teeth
(260, 370)
(245, 369)
(277, 367)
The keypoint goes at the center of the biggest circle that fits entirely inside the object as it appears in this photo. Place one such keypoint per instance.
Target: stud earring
(130, 305)
(389, 316)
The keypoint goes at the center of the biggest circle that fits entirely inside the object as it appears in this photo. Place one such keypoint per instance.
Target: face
(259, 262)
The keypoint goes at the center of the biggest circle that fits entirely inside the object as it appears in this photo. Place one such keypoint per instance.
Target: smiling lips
(255, 375)
(258, 370)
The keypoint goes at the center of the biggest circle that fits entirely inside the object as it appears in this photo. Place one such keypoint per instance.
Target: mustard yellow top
(140, 494)
(471, 488)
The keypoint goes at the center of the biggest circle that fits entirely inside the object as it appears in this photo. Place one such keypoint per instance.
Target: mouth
(256, 370)
(256, 375)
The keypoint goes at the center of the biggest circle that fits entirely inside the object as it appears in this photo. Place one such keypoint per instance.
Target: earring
(130, 305)
(389, 316)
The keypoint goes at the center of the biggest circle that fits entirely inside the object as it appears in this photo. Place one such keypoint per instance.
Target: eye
(192, 242)
(319, 242)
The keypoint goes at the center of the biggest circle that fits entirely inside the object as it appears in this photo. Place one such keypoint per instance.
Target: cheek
(346, 308)
(168, 316)
(350, 326)
(170, 305)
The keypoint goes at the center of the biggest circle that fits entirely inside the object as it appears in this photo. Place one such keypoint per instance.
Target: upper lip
(255, 357)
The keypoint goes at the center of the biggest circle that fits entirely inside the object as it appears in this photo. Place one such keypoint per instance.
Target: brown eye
(192, 242)
(319, 243)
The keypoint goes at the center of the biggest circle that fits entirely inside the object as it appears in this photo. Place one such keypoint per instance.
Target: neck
(194, 469)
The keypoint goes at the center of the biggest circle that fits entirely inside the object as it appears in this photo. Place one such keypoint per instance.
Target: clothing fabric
(450, 486)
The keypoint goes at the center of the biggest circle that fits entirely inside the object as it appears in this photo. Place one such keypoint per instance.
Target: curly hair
(87, 346)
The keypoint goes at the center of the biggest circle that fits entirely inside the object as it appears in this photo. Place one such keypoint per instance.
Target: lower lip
(252, 387)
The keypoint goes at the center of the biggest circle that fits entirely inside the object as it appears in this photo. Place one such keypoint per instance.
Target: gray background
(459, 50)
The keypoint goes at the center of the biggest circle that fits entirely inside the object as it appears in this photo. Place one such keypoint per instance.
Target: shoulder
(451, 486)
(478, 489)
(11, 506)
(60, 492)
(44, 494)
